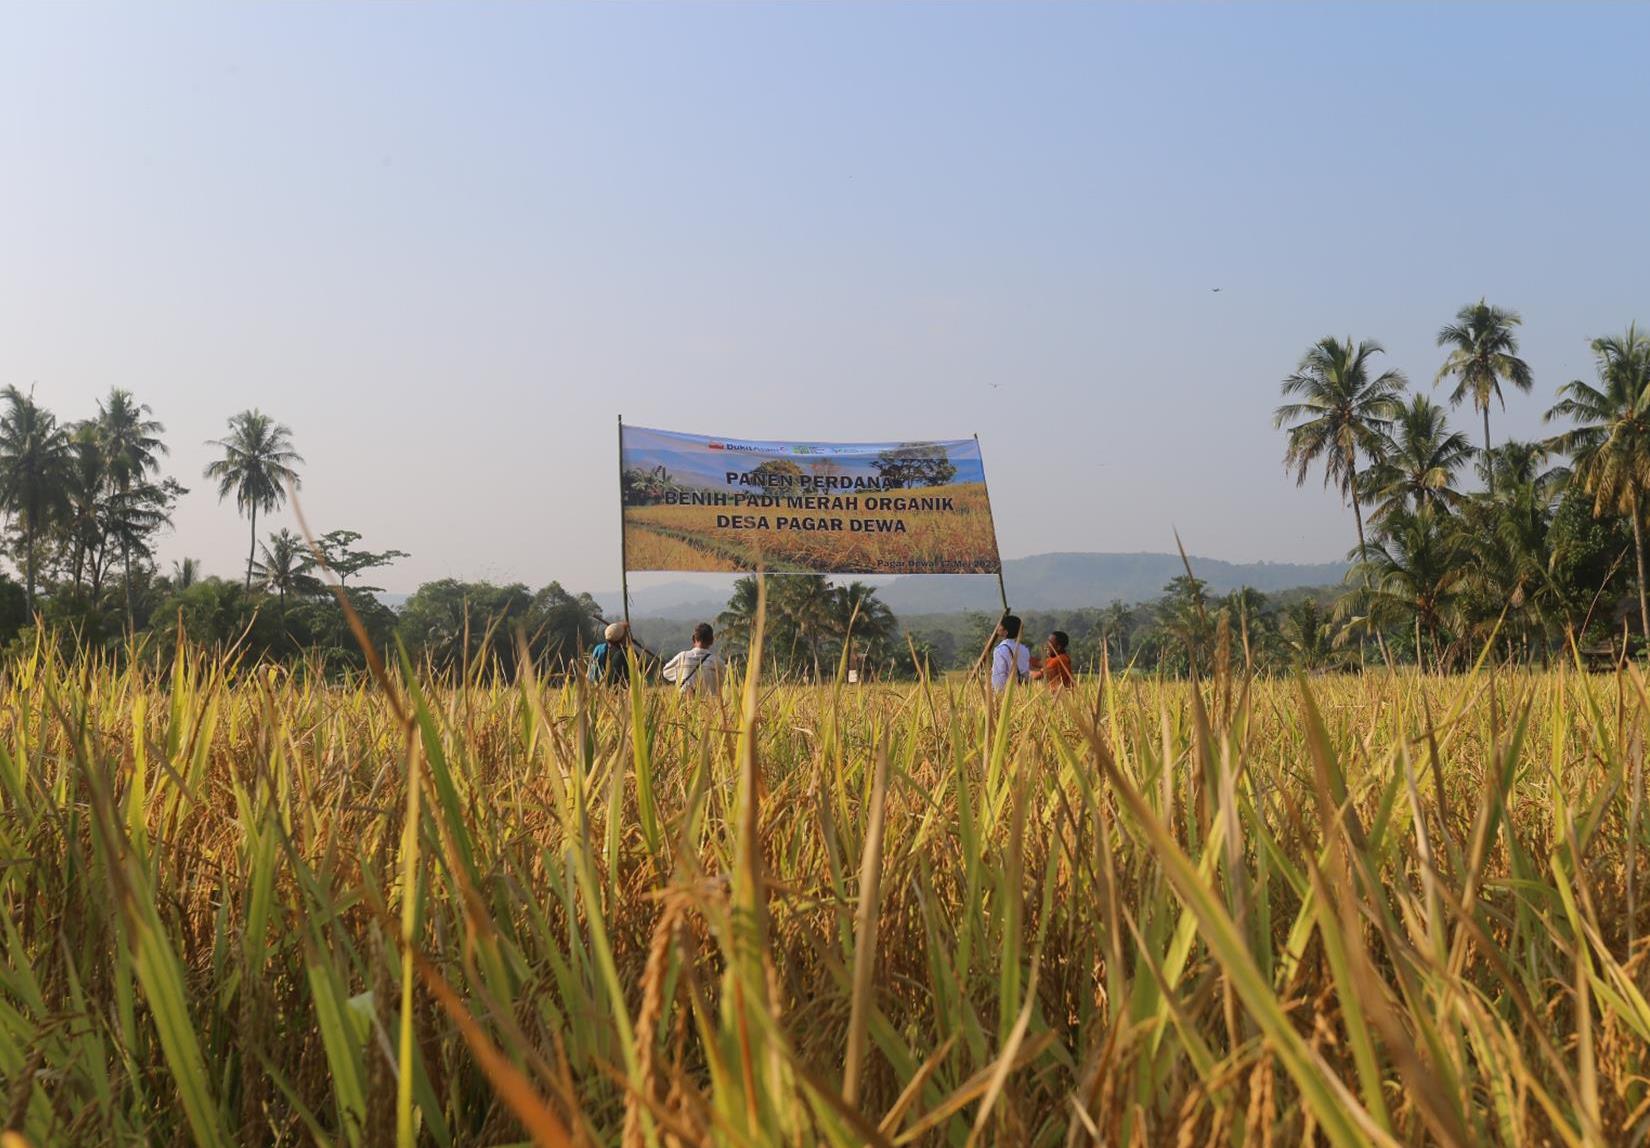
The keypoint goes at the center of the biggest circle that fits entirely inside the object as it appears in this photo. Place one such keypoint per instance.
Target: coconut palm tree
(1483, 353)
(1116, 622)
(865, 621)
(1183, 616)
(1609, 446)
(131, 443)
(134, 518)
(803, 613)
(34, 466)
(257, 464)
(1248, 612)
(86, 504)
(1308, 636)
(858, 603)
(285, 567)
(1340, 412)
(1510, 580)
(1413, 573)
(185, 573)
(1519, 464)
(736, 624)
(1419, 462)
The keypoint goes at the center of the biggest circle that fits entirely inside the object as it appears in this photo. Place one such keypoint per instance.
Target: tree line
(85, 502)
(814, 628)
(1546, 549)
(1187, 624)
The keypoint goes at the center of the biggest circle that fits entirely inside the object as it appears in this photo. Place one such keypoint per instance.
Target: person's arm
(672, 669)
(1002, 664)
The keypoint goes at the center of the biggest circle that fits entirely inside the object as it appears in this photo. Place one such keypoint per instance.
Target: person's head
(703, 635)
(1009, 627)
(1058, 641)
(617, 634)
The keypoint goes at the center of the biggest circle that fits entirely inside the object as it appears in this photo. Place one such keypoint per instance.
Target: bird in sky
(1216, 290)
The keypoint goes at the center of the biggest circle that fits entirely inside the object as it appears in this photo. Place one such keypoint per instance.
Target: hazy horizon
(449, 245)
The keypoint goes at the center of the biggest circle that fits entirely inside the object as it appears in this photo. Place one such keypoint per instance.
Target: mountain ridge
(1062, 580)
(1070, 580)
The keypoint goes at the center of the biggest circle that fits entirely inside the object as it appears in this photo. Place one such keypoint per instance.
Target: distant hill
(1073, 581)
(1040, 582)
(671, 600)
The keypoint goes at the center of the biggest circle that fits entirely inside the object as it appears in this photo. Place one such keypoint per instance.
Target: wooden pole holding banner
(624, 563)
(1002, 587)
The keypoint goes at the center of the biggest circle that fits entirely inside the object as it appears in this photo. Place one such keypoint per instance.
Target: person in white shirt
(1011, 658)
(698, 669)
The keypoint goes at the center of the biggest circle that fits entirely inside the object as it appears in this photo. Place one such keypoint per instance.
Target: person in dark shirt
(610, 660)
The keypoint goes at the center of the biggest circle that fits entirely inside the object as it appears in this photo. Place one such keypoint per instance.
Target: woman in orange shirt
(1056, 667)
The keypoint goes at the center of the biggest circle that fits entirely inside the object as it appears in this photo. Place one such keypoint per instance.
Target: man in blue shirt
(1011, 658)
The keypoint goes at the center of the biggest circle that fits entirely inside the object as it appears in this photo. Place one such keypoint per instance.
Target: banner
(719, 504)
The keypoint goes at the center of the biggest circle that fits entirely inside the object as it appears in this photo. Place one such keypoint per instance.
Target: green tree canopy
(474, 626)
(1609, 444)
(35, 461)
(915, 464)
(343, 559)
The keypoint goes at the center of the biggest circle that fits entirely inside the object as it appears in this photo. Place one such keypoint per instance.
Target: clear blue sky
(448, 244)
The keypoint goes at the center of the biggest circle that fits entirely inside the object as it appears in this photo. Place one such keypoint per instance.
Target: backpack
(1014, 647)
(598, 662)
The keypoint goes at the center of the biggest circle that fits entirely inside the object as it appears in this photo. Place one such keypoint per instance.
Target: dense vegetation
(244, 907)
(1549, 553)
(1545, 559)
(87, 505)
(1282, 630)
(1544, 555)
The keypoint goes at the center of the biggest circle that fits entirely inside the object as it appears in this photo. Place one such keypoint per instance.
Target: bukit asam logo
(799, 449)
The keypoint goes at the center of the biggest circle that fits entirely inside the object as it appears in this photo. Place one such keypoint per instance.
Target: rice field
(244, 906)
(652, 548)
